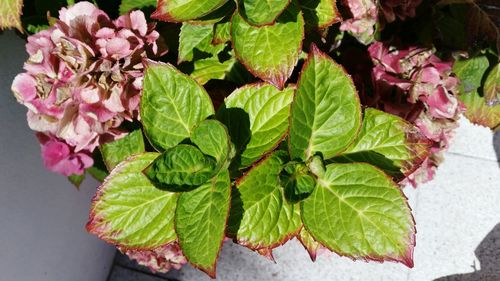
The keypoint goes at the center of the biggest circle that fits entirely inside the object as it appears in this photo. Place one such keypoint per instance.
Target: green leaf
(211, 68)
(172, 105)
(128, 211)
(297, 182)
(181, 168)
(320, 14)
(222, 33)
(261, 12)
(185, 10)
(492, 86)
(388, 142)
(212, 138)
(471, 72)
(309, 243)
(258, 49)
(359, 212)
(257, 118)
(129, 5)
(200, 222)
(10, 14)
(115, 152)
(326, 113)
(77, 180)
(218, 15)
(99, 170)
(196, 37)
(260, 217)
(478, 112)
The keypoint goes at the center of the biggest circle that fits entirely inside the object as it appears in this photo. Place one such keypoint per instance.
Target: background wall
(42, 217)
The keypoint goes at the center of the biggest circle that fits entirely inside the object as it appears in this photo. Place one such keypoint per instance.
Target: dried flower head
(83, 79)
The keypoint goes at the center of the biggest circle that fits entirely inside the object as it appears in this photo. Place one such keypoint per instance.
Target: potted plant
(253, 121)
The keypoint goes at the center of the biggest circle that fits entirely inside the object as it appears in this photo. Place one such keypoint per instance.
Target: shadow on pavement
(488, 254)
(496, 145)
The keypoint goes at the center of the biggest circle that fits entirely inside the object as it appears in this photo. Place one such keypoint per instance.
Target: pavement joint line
(473, 157)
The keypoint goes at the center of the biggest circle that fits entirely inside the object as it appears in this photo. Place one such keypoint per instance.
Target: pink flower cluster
(364, 15)
(83, 80)
(415, 84)
(161, 259)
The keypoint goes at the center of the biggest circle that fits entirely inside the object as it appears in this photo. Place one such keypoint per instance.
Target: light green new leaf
(212, 139)
(320, 14)
(358, 211)
(211, 68)
(388, 142)
(128, 5)
(185, 10)
(260, 217)
(492, 86)
(172, 105)
(261, 12)
(200, 221)
(258, 49)
(128, 211)
(326, 113)
(115, 152)
(471, 72)
(195, 36)
(10, 14)
(222, 33)
(181, 168)
(257, 118)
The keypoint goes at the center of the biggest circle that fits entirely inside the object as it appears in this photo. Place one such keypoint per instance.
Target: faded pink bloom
(59, 157)
(84, 75)
(161, 259)
(415, 84)
(401, 9)
(362, 23)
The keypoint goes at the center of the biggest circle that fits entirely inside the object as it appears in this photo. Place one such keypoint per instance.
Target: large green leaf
(492, 86)
(196, 37)
(128, 5)
(115, 152)
(326, 113)
(389, 143)
(359, 212)
(471, 72)
(185, 10)
(320, 14)
(260, 217)
(172, 105)
(128, 211)
(200, 221)
(181, 168)
(264, 110)
(270, 52)
(261, 12)
(212, 138)
(10, 14)
(479, 112)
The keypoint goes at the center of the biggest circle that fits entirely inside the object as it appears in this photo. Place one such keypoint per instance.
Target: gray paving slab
(120, 273)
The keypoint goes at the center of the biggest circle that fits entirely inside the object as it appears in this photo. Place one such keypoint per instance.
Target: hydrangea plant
(265, 121)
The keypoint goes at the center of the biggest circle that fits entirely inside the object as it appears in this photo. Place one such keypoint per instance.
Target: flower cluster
(417, 85)
(83, 80)
(364, 15)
